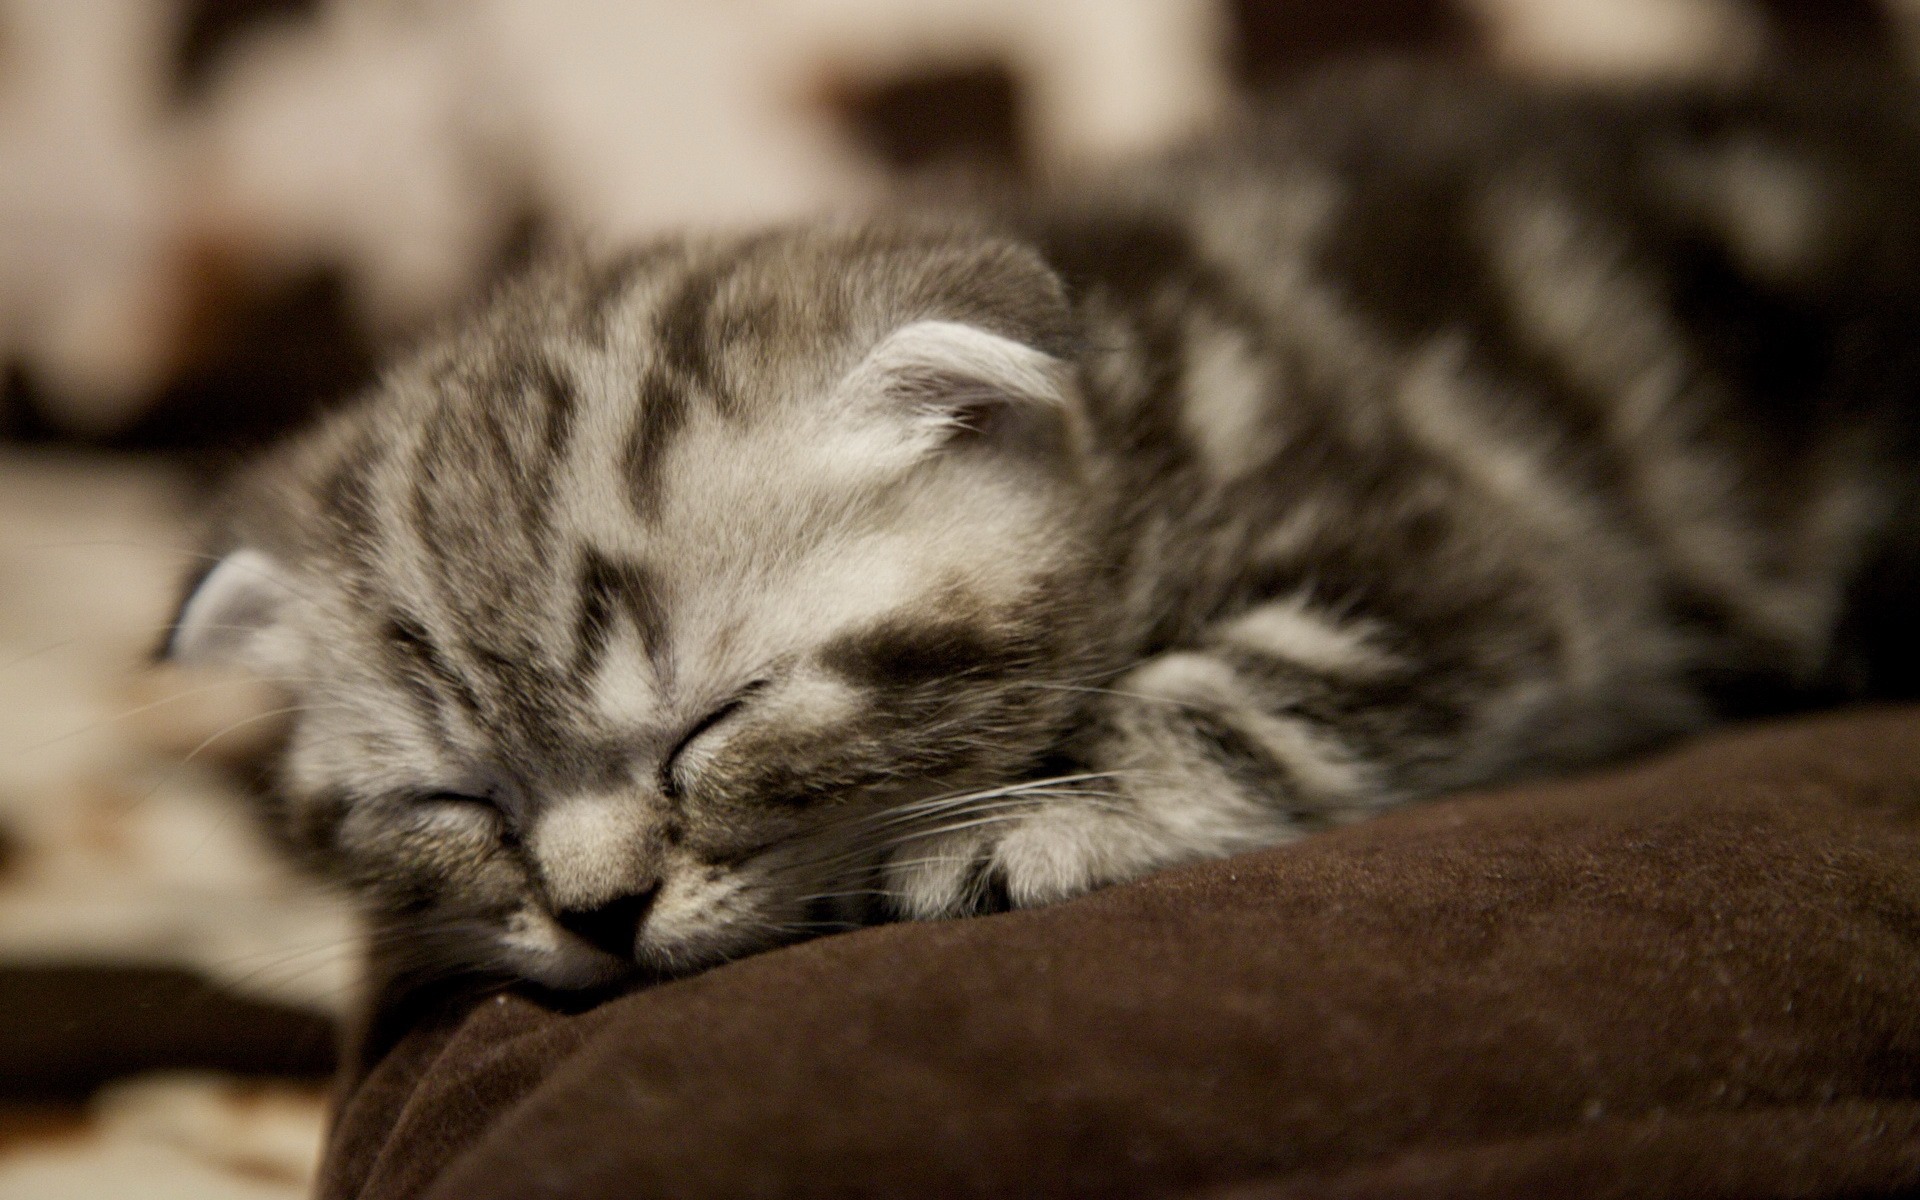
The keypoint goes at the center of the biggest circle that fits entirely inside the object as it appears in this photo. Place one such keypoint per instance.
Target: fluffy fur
(1423, 434)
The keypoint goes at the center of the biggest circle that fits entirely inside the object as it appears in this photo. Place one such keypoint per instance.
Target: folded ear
(935, 383)
(236, 616)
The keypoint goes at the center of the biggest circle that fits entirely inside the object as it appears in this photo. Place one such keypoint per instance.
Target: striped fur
(1424, 434)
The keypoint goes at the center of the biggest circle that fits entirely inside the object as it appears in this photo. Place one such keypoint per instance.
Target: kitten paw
(1061, 847)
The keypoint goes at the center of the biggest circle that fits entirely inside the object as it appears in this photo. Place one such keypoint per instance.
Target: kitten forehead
(623, 690)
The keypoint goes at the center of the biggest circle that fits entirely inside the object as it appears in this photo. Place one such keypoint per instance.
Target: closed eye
(459, 798)
(669, 776)
(500, 817)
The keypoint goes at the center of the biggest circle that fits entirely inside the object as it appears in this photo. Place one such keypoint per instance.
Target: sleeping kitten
(1428, 434)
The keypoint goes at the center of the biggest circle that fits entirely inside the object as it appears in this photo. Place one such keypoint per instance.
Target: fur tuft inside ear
(935, 382)
(235, 617)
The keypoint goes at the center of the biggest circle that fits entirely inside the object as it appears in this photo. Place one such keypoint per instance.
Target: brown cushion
(1696, 976)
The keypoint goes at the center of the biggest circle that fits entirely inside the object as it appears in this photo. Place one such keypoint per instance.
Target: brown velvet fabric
(1696, 976)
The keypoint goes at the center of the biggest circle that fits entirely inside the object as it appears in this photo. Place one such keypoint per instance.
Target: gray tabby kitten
(1429, 433)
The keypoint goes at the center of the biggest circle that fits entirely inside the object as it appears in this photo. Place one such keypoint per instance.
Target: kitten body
(1426, 433)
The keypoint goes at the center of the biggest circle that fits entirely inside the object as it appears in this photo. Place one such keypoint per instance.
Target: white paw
(1060, 847)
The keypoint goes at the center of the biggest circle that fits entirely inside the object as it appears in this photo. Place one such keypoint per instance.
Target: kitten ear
(235, 616)
(938, 382)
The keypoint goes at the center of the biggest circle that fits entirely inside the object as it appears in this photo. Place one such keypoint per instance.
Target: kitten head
(622, 619)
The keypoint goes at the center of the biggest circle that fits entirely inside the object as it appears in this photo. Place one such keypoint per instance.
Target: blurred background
(217, 216)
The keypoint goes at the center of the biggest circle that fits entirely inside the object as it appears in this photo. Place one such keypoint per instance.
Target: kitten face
(620, 619)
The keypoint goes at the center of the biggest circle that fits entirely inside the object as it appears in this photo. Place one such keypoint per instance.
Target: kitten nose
(614, 926)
